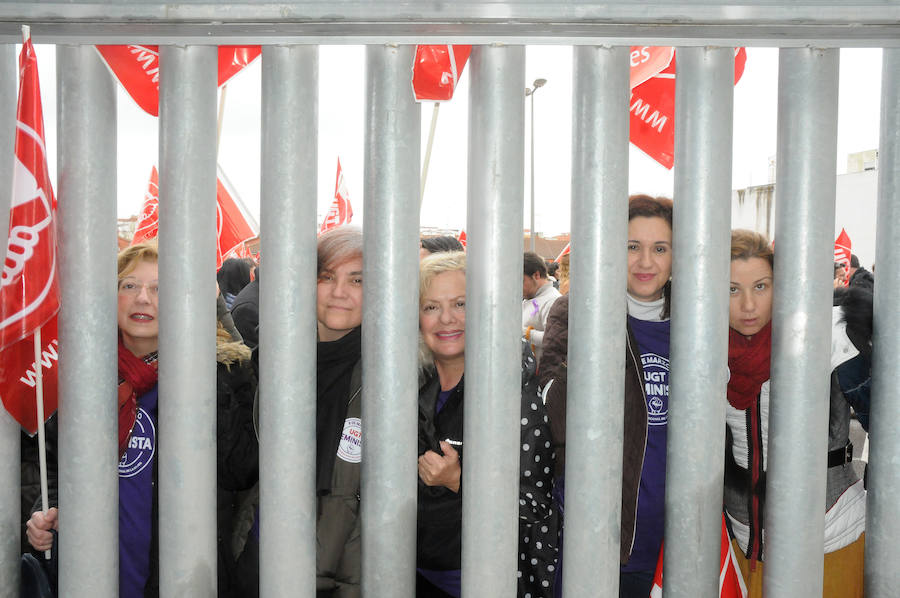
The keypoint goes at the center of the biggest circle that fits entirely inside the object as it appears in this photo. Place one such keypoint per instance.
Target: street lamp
(530, 91)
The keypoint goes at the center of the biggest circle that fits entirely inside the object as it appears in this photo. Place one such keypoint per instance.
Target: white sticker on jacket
(350, 447)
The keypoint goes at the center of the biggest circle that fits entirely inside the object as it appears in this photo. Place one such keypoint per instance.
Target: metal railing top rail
(854, 23)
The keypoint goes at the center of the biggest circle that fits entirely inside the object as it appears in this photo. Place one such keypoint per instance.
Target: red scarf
(137, 375)
(748, 361)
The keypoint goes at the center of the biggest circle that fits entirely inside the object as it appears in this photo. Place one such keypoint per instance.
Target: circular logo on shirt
(656, 387)
(350, 447)
(141, 446)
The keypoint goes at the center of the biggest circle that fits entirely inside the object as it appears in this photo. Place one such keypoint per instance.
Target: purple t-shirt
(136, 500)
(653, 344)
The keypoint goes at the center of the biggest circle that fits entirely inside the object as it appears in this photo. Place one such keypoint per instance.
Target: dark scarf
(334, 367)
(749, 362)
(137, 375)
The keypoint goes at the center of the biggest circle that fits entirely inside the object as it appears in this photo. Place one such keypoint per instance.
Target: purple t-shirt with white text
(653, 344)
(136, 499)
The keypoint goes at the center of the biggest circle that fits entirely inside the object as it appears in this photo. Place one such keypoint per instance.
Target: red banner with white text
(29, 293)
(652, 111)
(137, 69)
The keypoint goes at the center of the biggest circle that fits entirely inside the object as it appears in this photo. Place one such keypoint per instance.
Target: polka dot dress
(538, 540)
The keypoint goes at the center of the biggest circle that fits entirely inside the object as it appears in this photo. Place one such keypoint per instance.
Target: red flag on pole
(148, 223)
(731, 583)
(565, 251)
(234, 223)
(652, 111)
(137, 69)
(29, 293)
(341, 212)
(462, 238)
(437, 70)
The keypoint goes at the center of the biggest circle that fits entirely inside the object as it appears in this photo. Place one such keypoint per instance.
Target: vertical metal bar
(883, 524)
(88, 418)
(704, 103)
(493, 350)
(804, 221)
(187, 321)
(10, 436)
(597, 320)
(287, 331)
(390, 319)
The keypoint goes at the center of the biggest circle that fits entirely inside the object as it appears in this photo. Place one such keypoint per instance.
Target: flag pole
(42, 443)
(39, 388)
(434, 117)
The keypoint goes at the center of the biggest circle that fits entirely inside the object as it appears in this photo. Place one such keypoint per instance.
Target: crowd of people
(542, 393)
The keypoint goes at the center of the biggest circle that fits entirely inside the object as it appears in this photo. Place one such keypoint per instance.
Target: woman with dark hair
(646, 406)
(442, 325)
(749, 355)
(429, 245)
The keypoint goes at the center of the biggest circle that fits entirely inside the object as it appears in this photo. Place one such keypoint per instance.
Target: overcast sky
(341, 131)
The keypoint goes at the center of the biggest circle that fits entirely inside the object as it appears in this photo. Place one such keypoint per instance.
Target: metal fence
(809, 35)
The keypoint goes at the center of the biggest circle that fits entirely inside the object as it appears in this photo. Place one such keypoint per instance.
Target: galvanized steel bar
(187, 321)
(883, 523)
(801, 336)
(390, 320)
(493, 346)
(704, 103)
(88, 366)
(596, 320)
(287, 331)
(10, 435)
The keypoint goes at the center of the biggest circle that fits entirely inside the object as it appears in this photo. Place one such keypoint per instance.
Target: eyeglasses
(132, 287)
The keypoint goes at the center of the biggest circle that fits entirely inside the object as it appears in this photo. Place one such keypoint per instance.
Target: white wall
(855, 211)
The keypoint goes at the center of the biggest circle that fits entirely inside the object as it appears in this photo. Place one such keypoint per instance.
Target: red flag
(148, 224)
(29, 293)
(842, 253)
(137, 69)
(652, 111)
(731, 582)
(341, 212)
(234, 224)
(565, 251)
(647, 61)
(437, 70)
(462, 238)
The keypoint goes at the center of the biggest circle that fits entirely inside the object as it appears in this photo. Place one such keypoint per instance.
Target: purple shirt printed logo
(141, 446)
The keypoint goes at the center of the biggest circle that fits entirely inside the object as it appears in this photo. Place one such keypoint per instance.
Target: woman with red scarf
(747, 417)
(137, 317)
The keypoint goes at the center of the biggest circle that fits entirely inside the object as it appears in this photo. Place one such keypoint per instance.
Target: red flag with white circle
(29, 291)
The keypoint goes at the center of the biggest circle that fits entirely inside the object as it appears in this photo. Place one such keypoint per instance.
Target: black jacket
(245, 312)
(439, 538)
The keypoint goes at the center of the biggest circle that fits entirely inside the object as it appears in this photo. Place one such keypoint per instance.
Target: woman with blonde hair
(442, 325)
